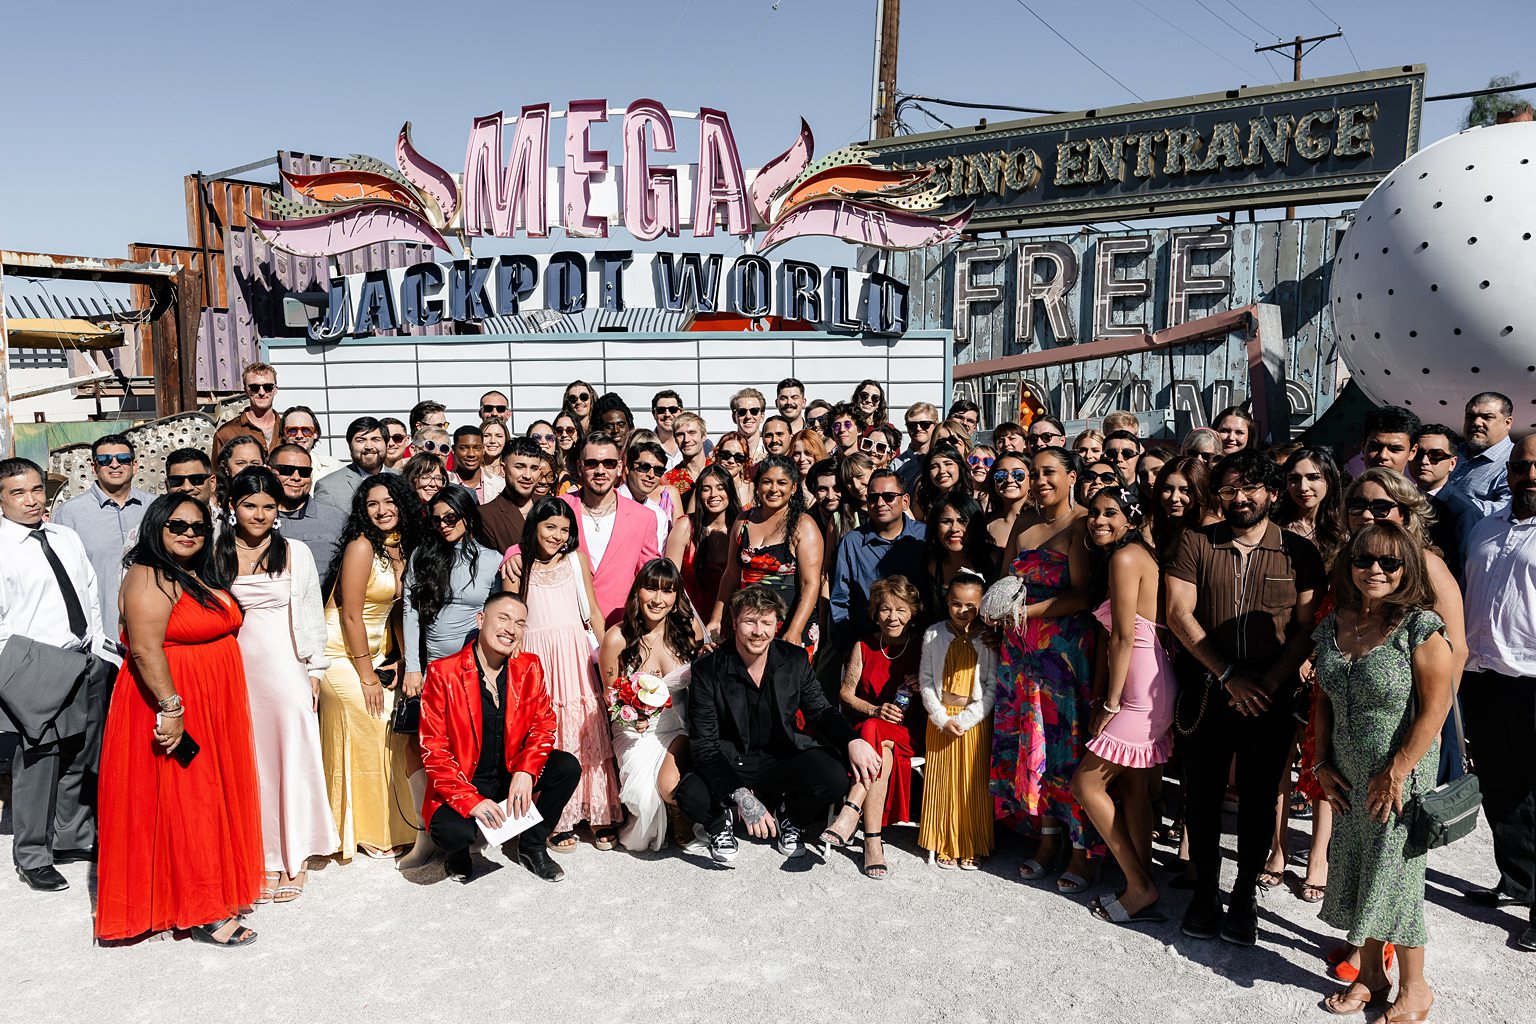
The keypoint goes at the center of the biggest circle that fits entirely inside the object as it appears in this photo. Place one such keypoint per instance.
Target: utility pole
(1297, 53)
(882, 122)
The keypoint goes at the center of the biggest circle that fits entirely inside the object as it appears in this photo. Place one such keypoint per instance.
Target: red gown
(180, 847)
(879, 679)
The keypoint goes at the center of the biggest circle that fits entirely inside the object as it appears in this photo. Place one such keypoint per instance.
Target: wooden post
(887, 37)
(175, 342)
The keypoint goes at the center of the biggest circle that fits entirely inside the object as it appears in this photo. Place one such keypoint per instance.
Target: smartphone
(184, 751)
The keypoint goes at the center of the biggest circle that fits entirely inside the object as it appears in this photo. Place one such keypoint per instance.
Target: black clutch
(406, 717)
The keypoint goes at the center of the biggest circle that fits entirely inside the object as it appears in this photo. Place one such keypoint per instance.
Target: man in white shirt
(747, 410)
(1498, 692)
(47, 596)
(645, 464)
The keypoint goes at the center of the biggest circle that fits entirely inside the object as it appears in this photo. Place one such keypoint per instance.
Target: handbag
(581, 603)
(406, 716)
(1445, 813)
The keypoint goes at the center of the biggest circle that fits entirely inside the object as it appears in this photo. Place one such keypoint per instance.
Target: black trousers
(1260, 745)
(1499, 713)
(806, 783)
(552, 790)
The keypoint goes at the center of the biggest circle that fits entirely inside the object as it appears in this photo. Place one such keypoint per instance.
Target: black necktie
(72, 605)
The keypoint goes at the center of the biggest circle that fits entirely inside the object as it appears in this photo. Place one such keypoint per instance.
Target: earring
(231, 519)
(277, 524)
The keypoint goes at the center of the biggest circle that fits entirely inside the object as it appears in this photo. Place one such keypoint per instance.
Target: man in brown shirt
(502, 518)
(260, 420)
(1241, 595)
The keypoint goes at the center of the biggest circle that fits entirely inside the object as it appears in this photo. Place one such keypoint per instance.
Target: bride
(659, 636)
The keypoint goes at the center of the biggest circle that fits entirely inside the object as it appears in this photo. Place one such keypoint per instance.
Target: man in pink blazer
(618, 534)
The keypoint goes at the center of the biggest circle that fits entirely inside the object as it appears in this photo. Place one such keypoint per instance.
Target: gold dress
(367, 766)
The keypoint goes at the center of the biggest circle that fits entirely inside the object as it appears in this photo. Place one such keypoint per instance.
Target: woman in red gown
(180, 831)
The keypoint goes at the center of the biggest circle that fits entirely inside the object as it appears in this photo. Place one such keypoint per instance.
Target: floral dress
(1375, 886)
(1040, 725)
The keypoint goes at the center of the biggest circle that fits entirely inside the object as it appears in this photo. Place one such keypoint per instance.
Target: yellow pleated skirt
(957, 808)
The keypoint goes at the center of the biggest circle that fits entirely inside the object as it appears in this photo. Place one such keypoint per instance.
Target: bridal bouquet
(636, 698)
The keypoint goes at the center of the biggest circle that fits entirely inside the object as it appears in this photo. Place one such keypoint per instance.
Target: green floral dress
(1375, 889)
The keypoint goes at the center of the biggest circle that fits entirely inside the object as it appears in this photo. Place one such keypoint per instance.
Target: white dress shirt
(30, 602)
(1501, 596)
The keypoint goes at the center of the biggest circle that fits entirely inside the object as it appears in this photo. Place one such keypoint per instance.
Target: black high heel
(868, 869)
(834, 839)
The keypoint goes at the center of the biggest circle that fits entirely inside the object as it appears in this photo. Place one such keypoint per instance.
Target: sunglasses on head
(914, 426)
(648, 468)
(299, 432)
(290, 469)
(260, 389)
(1388, 563)
(754, 410)
(1434, 457)
(449, 519)
(869, 444)
(493, 408)
(1379, 508)
(121, 458)
(609, 464)
(579, 396)
(1103, 478)
(730, 456)
(180, 527)
(1018, 476)
(174, 480)
(984, 461)
(883, 497)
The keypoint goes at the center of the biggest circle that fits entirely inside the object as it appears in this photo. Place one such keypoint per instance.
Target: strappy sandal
(1268, 879)
(1408, 1016)
(206, 933)
(832, 838)
(605, 838)
(1340, 967)
(1310, 893)
(947, 863)
(969, 864)
(292, 891)
(1342, 1004)
(878, 870)
(562, 842)
(268, 890)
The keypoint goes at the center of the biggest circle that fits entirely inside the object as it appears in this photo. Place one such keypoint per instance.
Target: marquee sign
(1323, 140)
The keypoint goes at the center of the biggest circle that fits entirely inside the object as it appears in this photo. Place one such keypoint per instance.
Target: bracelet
(1110, 710)
(1231, 670)
(171, 703)
(374, 683)
(178, 713)
(354, 657)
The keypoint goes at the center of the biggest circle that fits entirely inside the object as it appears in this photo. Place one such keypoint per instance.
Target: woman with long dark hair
(368, 766)
(1236, 429)
(1131, 728)
(955, 540)
(568, 443)
(944, 470)
(1312, 505)
(450, 576)
(1010, 496)
(239, 453)
(577, 402)
(733, 453)
(1180, 499)
(179, 806)
(553, 577)
(658, 636)
(700, 542)
(283, 643)
(868, 404)
(777, 545)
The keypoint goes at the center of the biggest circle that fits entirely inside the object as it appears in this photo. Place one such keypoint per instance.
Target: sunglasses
(648, 468)
(873, 397)
(1046, 436)
(816, 422)
(1018, 476)
(1434, 457)
(290, 469)
(730, 456)
(449, 519)
(1379, 508)
(566, 431)
(1119, 454)
(493, 408)
(299, 432)
(666, 410)
(180, 527)
(984, 461)
(883, 497)
(260, 389)
(174, 480)
(609, 464)
(914, 426)
(1103, 478)
(1206, 457)
(433, 447)
(842, 426)
(542, 438)
(871, 445)
(121, 458)
(398, 438)
(1520, 467)
(1388, 563)
(1249, 490)
(755, 410)
(579, 396)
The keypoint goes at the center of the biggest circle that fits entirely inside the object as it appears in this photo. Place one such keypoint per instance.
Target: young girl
(958, 676)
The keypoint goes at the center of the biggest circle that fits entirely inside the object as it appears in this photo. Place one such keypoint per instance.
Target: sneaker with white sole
(721, 841)
(790, 844)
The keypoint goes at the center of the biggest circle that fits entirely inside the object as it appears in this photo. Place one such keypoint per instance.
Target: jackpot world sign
(1317, 141)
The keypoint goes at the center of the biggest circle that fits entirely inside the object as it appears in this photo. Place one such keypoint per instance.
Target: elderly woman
(1384, 669)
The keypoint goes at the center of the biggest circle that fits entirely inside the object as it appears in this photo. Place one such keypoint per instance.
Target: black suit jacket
(717, 711)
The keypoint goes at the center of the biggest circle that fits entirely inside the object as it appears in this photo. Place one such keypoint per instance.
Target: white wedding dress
(639, 755)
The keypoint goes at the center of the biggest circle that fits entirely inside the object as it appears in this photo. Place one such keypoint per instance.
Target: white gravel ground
(670, 937)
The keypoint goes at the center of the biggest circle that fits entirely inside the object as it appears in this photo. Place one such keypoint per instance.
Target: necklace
(1360, 635)
(892, 657)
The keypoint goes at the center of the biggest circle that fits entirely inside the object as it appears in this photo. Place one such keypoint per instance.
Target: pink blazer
(632, 545)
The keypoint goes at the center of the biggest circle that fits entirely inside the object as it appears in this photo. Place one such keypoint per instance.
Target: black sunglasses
(1387, 562)
(869, 396)
(398, 438)
(493, 408)
(433, 447)
(261, 389)
(579, 396)
(180, 527)
(883, 497)
(1119, 454)
(1379, 508)
(818, 422)
(1434, 457)
(603, 463)
(121, 458)
(648, 468)
(174, 480)
(913, 426)
(1520, 467)
(446, 519)
(289, 469)
(730, 456)
(755, 410)
(664, 410)
(1103, 478)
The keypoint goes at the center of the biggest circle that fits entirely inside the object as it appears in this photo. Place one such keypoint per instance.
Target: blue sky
(110, 104)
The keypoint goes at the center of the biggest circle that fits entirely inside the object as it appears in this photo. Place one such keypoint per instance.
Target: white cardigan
(931, 678)
(306, 610)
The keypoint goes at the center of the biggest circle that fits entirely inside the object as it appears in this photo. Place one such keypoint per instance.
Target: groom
(748, 756)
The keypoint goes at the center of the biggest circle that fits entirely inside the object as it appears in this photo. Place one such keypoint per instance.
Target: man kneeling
(488, 736)
(747, 752)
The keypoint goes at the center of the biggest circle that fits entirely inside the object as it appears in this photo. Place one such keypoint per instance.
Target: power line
(1104, 71)
(1251, 18)
(1324, 13)
(1267, 60)
(1193, 38)
(1344, 36)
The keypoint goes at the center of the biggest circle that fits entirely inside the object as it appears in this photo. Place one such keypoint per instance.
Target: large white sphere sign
(1434, 285)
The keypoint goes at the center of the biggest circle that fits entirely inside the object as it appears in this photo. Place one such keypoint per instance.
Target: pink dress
(556, 635)
(1140, 736)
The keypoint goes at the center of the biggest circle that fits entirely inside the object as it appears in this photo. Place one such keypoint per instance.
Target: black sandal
(835, 840)
(556, 842)
(870, 869)
(241, 936)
